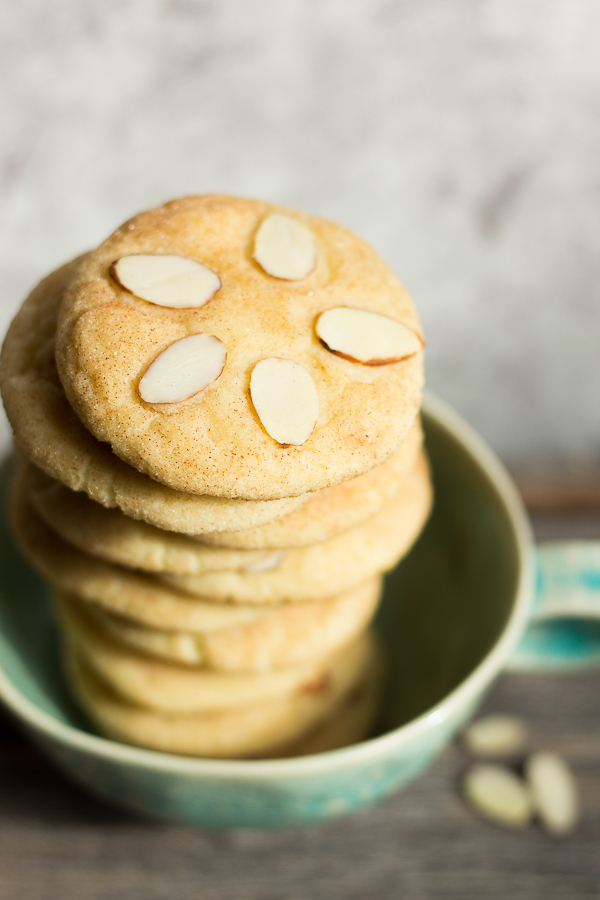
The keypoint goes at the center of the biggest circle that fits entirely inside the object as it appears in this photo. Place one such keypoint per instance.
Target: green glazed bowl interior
(446, 604)
(446, 607)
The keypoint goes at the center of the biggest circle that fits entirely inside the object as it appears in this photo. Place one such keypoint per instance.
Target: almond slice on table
(285, 248)
(498, 794)
(554, 792)
(172, 281)
(183, 369)
(366, 337)
(285, 399)
(495, 735)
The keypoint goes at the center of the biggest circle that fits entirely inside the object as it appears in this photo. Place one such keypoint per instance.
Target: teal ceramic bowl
(452, 614)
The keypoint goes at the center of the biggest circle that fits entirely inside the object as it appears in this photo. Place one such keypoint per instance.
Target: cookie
(242, 732)
(111, 535)
(281, 636)
(173, 688)
(48, 432)
(255, 390)
(352, 721)
(175, 601)
(331, 566)
(142, 599)
(122, 591)
(333, 510)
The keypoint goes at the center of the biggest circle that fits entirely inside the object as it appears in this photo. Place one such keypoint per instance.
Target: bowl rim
(369, 751)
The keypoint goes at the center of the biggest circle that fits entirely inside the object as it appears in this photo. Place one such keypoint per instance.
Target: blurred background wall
(461, 138)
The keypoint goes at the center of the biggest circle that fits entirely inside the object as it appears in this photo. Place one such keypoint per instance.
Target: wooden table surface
(56, 843)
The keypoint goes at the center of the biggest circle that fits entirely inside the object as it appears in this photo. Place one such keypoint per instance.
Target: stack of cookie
(216, 418)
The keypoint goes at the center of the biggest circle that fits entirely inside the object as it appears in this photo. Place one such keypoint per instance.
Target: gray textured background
(461, 138)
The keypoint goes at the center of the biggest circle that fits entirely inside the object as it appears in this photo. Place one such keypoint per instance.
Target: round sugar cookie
(333, 510)
(120, 590)
(282, 636)
(144, 599)
(245, 731)
(237, 396)
(305, 573)
(112, 536)
(48, 432)
(173, 688)
(352, 721)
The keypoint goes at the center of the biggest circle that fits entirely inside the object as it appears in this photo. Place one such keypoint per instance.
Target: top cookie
(233, 348)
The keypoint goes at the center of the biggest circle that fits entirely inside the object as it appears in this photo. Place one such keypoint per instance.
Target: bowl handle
(564, 627)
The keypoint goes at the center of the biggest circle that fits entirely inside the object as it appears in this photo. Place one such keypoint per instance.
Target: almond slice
(498, 794)
(366, 337)
(554, 792)
(173, 281)
(495, 735)
(285, 399)
(285, 248)
(183, 369)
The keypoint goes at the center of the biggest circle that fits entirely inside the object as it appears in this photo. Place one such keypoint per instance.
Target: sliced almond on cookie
(173, 281)
(183, 369)
(285, 248)
(366, 337)
(285, 399)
